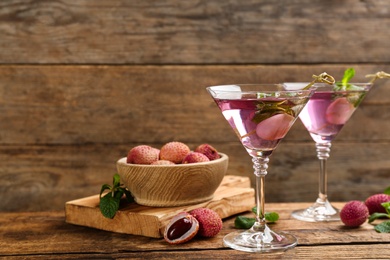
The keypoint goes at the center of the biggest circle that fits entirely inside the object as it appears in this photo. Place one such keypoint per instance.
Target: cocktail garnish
(322, 78)
(378, 75)
(270, 108)
(344, 84)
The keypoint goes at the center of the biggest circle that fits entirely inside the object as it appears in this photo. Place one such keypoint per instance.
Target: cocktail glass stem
(260, 238)
(323, 150)
(260, 165)
(321, 210)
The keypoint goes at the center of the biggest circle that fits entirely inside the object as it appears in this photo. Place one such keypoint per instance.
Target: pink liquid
(326, 113)
(257, 128)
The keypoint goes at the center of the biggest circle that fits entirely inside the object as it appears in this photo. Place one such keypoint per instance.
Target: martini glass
(260, 115)
(328, 110)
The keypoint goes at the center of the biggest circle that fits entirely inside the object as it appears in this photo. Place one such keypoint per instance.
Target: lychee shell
(374, 202)
(208, 150)
(354, 213)
(143, 154)
(210, 223)
(194, 157)
(174, 152)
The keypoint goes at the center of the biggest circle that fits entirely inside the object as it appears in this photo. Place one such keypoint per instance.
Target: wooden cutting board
(233, 196)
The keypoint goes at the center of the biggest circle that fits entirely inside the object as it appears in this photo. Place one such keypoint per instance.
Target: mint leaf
(348, 75)
(271, 217)
(344, 83)
(377, 215)
(244, 222)
(116, 180)
(247, 222)
(387, 191)
(383, 227)
(108, 205)
(104, 187)
(386, 205)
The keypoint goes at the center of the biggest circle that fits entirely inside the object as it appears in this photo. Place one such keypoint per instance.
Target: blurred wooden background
(81, 82)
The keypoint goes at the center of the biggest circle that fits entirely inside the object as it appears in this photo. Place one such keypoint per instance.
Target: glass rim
(233, 88)
(320, 86)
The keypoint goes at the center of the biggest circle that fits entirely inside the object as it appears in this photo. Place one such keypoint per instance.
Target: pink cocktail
(324, 116)
(260, 115)
(256, 130)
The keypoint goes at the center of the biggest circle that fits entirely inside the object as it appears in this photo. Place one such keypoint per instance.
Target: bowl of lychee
(173, 175)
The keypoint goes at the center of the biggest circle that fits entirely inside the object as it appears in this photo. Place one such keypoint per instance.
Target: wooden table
(46, 235)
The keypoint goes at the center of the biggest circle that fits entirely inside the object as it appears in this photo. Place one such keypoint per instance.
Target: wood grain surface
(28, 235)
(194, 32)
(81, 83)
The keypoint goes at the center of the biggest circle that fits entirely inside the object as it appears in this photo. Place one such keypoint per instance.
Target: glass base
(319, 211)
(257, 241)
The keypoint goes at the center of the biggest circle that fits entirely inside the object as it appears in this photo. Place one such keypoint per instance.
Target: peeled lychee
(195, 157)
(274, 127)
(373, 203)
(354, 213)
(143, 154)
(210, 223)
(208, 150)
(162, 162)
(339, 111)
(174, 152)
(182, 228)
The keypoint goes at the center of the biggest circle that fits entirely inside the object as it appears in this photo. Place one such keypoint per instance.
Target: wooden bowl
(173, 185)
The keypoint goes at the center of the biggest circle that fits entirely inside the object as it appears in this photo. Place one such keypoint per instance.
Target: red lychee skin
(143, 154)
(210, 223)
(162, 162)
(373, 203)
(194, 157)
(354, 213)
(208, 150)
(174, 151)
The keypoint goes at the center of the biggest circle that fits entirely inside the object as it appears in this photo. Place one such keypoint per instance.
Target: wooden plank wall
(81, 82)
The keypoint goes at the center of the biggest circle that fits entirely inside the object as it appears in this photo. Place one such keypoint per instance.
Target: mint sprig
(344, 84)
(109, 203)
(267, 109)
(383, 227)
(348, 75)
(247, 222)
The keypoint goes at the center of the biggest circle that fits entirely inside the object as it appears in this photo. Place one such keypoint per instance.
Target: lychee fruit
(181, 228)
(274, 127)
(373, 203)
(195, 157)
(208, 150)
(174, 152)
(210, 223)
(162, 162)
(143, 154)
(339, 111)
(354, 213)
